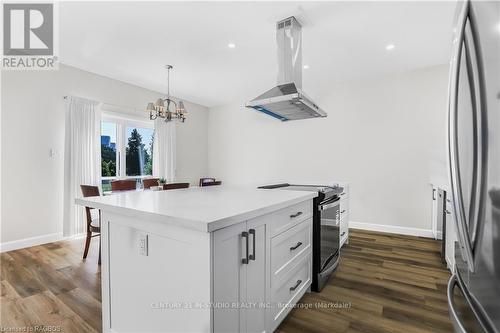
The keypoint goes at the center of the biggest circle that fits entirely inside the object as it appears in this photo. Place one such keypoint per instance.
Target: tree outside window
(139, 156)
(126, 150)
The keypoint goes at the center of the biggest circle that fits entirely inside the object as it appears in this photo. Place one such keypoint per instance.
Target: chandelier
(161, 108)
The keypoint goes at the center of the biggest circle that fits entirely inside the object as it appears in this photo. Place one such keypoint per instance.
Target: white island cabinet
(203, 259)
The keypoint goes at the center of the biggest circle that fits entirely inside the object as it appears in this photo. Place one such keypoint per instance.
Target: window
(108, 149)
(126, 149)
(139, 150)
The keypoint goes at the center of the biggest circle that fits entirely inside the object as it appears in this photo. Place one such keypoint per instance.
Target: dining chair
(173, 186)
(217, 182)
(93, 220)
(205, 180)
(148, 182)
(209, 182)
(123, 185)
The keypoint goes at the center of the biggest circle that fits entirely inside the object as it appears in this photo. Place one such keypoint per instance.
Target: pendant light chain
(168, 81)
(161, 108)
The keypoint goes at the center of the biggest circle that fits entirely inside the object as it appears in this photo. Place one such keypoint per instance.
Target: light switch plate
(143, 244)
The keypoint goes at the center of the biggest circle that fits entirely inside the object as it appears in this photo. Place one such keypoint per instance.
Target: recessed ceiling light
(231, 45)
(390, 47)
(306, 66)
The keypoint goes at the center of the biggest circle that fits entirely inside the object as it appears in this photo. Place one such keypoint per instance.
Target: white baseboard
(392, 229)
(32, 241)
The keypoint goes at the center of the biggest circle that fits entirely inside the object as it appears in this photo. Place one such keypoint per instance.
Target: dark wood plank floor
(385, 283)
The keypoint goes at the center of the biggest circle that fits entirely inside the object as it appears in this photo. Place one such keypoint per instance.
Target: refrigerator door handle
(471, 63)
(456, 186)
(478, 314)
(457, 324)
(478, 93)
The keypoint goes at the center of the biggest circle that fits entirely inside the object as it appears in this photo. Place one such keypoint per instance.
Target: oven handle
(329, 205)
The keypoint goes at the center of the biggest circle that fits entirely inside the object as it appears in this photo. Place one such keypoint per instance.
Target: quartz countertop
(201, 208)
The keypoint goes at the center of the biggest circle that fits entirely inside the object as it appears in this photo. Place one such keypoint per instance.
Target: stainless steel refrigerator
(474, 159)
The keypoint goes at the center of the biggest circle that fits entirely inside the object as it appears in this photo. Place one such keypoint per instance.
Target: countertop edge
(198, 225)
(222, 223)
(153, 217)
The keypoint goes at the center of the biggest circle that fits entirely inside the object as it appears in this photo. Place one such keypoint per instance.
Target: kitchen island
(215, 259)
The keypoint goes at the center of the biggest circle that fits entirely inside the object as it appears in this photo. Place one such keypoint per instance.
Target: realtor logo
(28, 36)
(28, 29)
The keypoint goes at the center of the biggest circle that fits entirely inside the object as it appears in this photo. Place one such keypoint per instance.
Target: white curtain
(83, 153)
(164, 150)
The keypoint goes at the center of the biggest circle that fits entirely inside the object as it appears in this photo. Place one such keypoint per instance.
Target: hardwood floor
(385, 283)
(50, 285)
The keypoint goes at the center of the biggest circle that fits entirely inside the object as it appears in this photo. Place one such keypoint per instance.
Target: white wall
(385, 136)
(33, 122)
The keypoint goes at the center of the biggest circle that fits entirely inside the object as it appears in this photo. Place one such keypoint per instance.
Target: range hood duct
(287, 101)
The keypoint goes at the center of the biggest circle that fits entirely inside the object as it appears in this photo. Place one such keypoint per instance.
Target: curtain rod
(105, 103)
(90, 99)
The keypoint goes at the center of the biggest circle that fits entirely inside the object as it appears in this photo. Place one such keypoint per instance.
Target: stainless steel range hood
(287, 101)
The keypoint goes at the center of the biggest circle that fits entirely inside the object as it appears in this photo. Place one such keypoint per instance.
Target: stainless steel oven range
(326, 238)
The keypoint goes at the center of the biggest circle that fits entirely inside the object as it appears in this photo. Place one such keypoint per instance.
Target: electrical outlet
(143, 244)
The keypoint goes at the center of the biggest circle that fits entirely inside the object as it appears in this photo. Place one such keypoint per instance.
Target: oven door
(329, 212)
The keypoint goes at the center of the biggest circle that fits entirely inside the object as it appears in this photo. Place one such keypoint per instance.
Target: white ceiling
(131, 41)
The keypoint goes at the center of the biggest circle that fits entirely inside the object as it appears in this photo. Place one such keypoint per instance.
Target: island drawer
(290, 288)
(288, 217)
(288, 246)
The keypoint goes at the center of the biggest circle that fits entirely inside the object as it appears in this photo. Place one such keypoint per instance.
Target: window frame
(122, 122)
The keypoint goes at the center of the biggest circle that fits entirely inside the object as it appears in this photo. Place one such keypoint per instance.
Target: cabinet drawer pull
(252, 256)
(447, 212)
(342, 234)
(244, 234)
(296, 246)
(295, 215)
(343, 211)
(296, 285)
